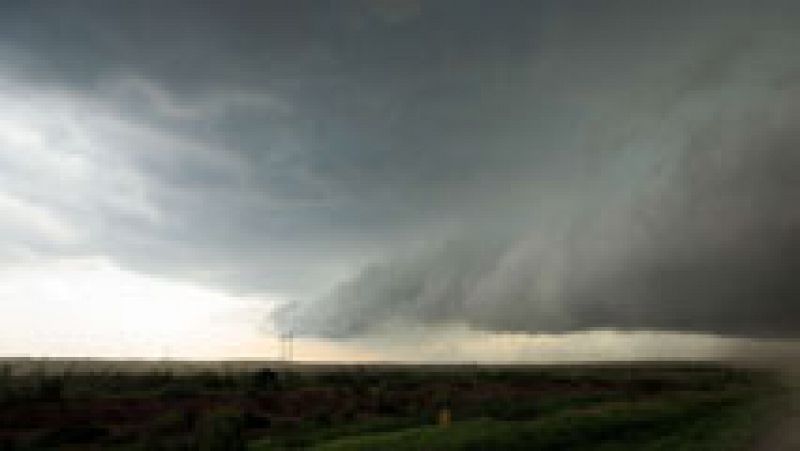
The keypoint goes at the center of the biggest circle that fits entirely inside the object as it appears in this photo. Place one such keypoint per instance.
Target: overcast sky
(174, 174)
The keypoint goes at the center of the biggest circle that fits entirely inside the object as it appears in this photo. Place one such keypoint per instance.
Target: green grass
(689, 423)
(607, 408)
(311, 436)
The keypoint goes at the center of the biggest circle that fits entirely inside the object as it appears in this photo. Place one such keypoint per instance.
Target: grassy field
(256, 406)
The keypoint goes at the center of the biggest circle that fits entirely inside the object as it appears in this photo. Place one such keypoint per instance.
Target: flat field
(85, 405)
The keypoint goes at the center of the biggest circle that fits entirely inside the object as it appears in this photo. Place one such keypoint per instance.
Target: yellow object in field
(445, 418)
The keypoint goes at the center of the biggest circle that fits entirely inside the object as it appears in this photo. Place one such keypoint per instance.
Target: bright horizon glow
(89, 307)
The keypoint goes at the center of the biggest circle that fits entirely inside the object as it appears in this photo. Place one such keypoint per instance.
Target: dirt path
(785, 435)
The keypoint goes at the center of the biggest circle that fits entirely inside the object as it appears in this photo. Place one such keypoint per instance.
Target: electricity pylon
(286, 346)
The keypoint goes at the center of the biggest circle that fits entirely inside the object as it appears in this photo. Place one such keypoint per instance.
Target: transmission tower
(286, 346)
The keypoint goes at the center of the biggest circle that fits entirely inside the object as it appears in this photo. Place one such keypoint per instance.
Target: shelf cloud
(511, 166)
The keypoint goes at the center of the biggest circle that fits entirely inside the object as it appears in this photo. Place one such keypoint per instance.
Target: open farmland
(260, 406)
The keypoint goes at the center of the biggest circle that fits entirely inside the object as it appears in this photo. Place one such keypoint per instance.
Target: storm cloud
(508, 165)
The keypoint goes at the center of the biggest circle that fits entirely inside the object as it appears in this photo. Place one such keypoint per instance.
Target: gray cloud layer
(513, 165)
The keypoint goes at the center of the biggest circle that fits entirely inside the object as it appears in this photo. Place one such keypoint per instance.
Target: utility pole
(286, 346)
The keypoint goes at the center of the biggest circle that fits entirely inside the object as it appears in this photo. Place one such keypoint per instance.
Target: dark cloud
(514, 165)
(715, 249)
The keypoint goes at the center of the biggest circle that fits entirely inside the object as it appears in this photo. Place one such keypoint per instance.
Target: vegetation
(659, 424)
(614, 407)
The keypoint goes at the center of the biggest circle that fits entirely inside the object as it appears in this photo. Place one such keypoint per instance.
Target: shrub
(254, 420)
(8, 444)
(71, 434)
(176, 391)
(221, 430)
(264, 379)
(170, 423)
